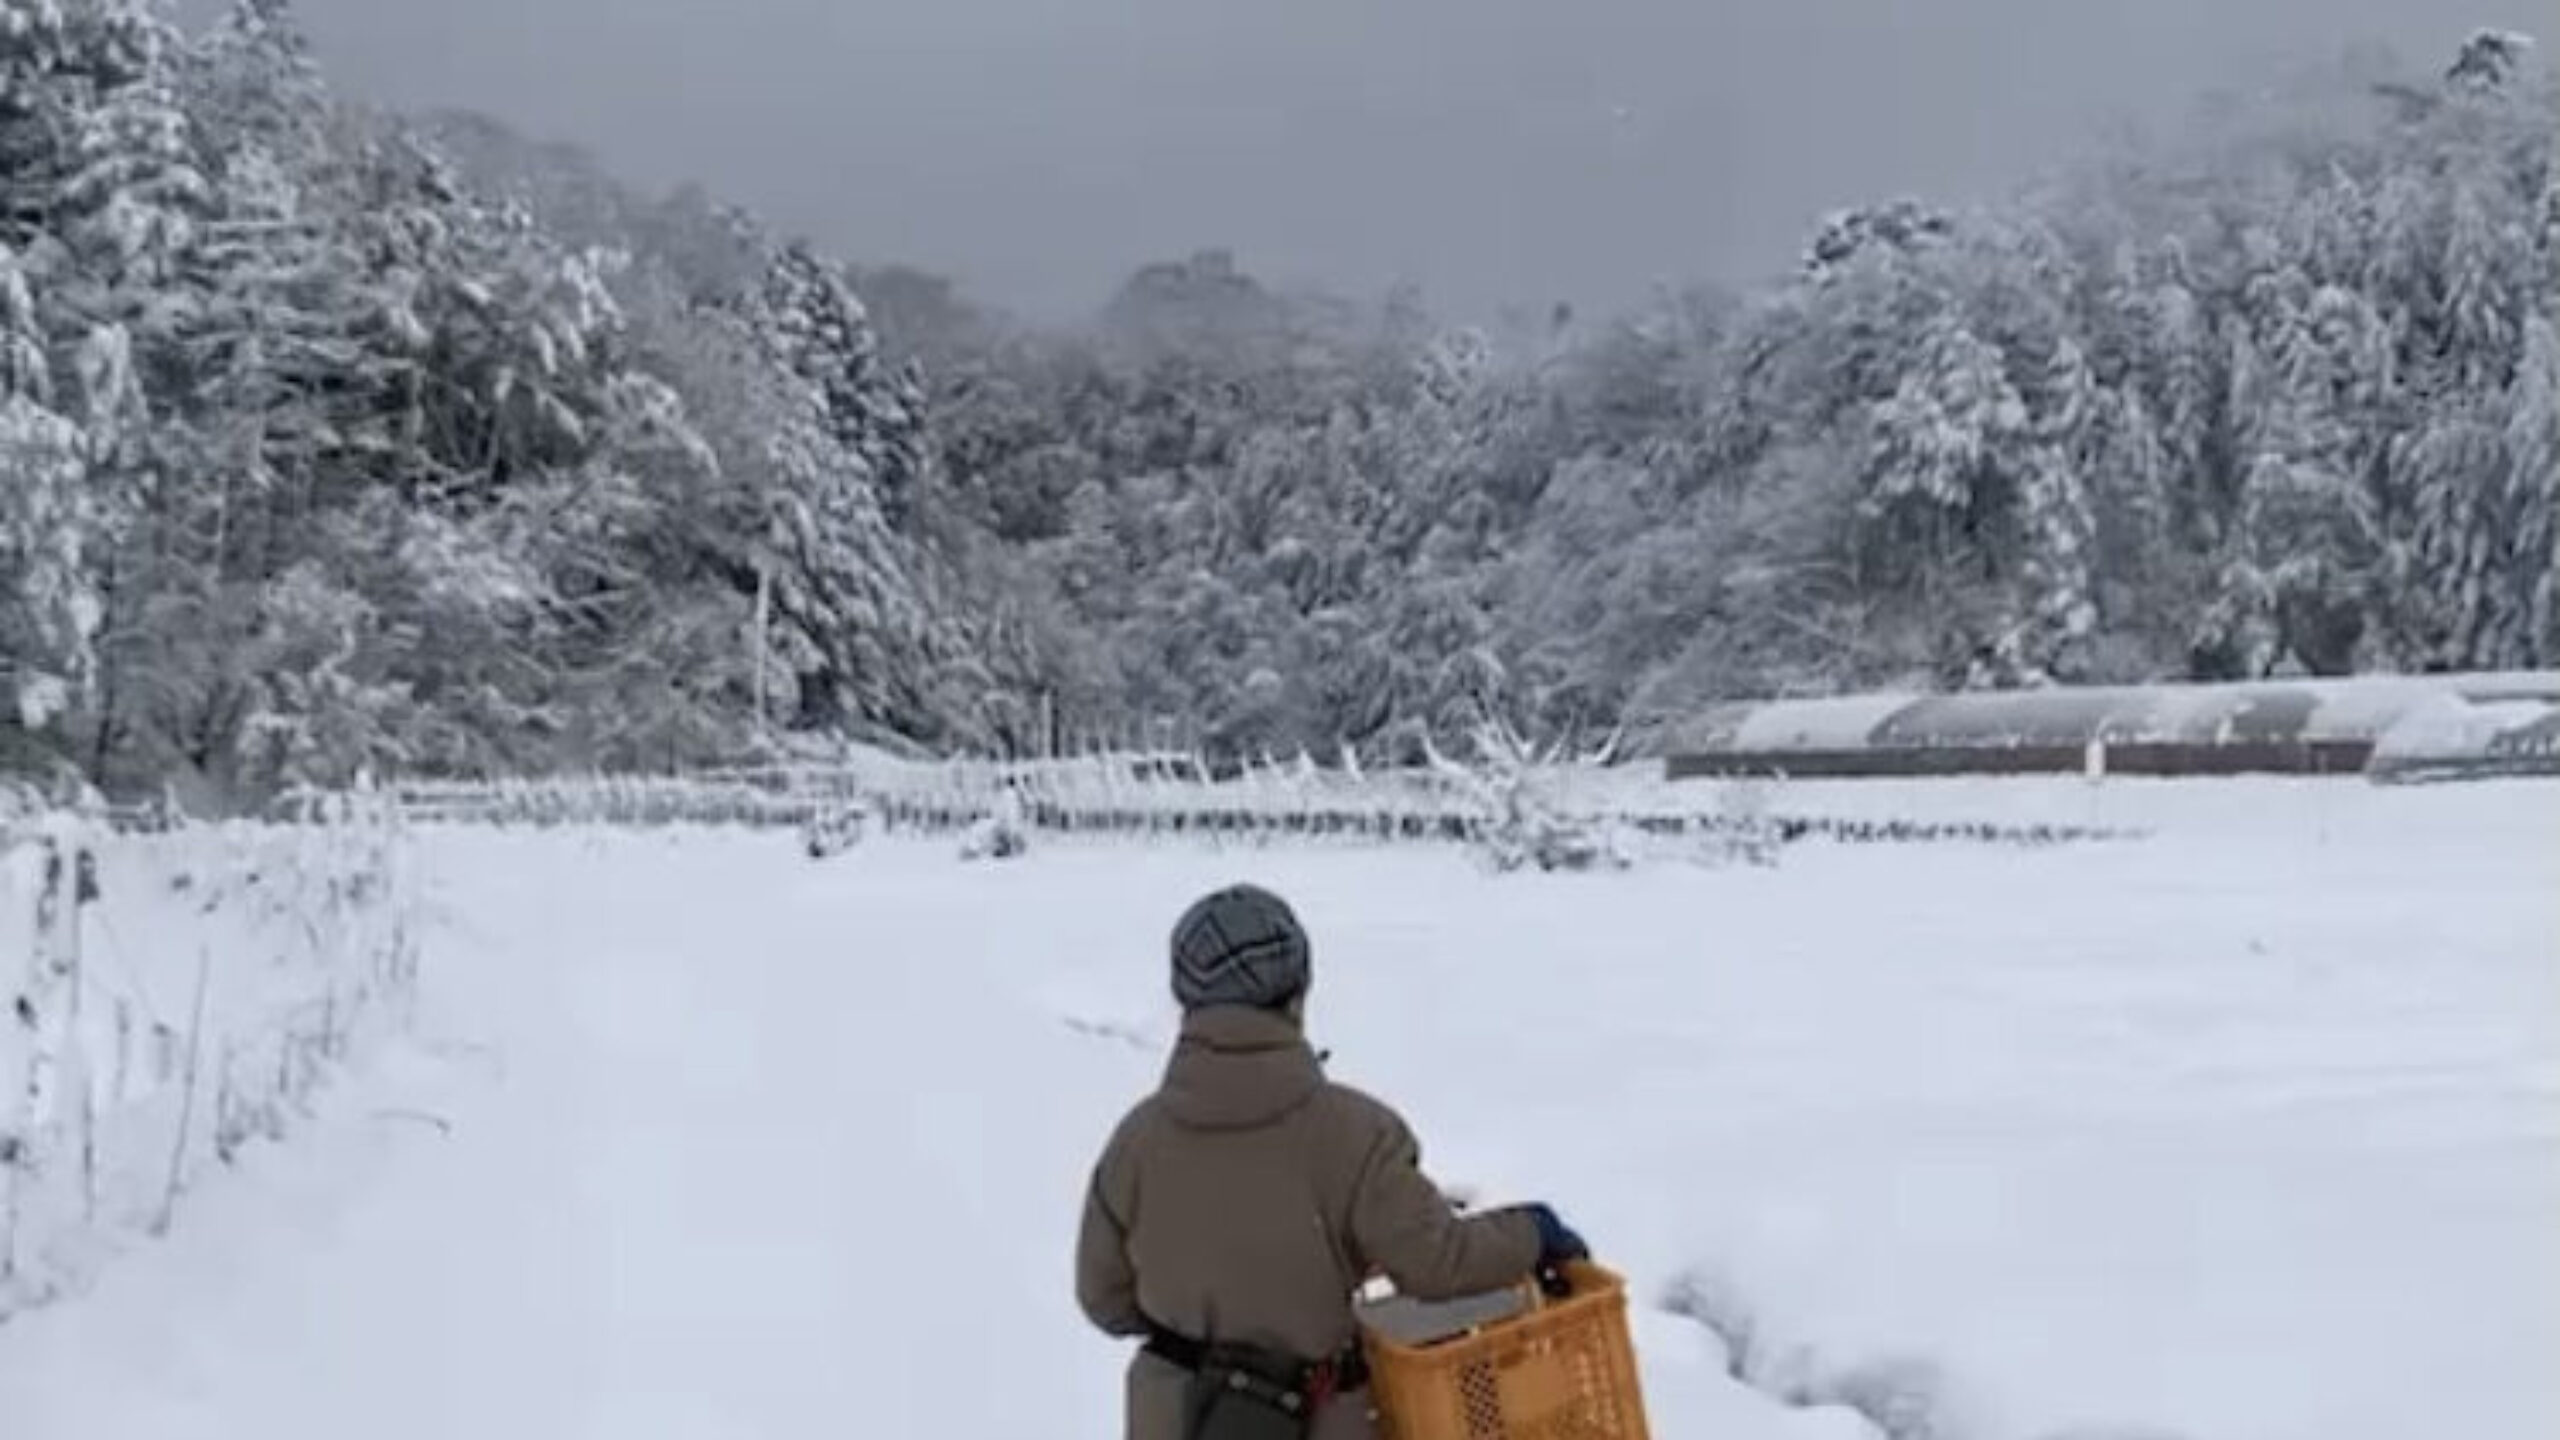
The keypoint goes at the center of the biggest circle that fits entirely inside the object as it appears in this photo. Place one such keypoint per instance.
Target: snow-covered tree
(335, 441)
(2532, 441)
(2489, 58)
(49, 529)
(818, 329)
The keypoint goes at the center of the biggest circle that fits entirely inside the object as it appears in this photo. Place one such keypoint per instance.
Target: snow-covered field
(2247, 1130)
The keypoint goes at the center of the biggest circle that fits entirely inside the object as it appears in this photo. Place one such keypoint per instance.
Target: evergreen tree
(49, 607)
(2532, 439)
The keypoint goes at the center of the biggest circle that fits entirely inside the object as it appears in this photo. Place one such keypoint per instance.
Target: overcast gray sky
(1493, 150)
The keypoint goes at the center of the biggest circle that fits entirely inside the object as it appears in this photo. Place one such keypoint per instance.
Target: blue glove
(1556, 1241)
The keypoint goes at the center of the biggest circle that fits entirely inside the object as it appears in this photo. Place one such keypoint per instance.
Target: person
(1234, 1212)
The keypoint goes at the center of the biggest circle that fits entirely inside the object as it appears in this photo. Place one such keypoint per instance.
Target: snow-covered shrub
(834, 829)
(1745, 833)
(1004, 835)
(185, 993)
(993, 839)
(1525, 821)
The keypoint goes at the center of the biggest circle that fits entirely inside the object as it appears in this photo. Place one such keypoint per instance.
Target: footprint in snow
(1119, 1031)
(1900, 1397)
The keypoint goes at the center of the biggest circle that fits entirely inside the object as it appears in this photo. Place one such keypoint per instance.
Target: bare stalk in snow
(186, 1096)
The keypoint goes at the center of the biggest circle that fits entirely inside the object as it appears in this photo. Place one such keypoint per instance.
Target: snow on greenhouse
(2388, 727)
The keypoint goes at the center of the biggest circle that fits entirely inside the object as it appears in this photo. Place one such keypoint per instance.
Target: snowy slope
(2245, 1130)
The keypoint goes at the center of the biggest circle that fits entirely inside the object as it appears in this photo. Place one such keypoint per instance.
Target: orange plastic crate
(1563, 1369)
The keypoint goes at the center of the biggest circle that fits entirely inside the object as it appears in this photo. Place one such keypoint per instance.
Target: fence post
(75, 1070)
(31, 1011)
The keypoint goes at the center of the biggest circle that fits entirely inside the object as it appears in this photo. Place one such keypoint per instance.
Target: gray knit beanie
(1239, 946)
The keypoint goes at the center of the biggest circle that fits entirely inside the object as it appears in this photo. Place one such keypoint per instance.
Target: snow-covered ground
(2248, 1130)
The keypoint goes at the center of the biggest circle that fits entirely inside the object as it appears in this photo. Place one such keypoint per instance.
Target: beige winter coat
(1248, 1196)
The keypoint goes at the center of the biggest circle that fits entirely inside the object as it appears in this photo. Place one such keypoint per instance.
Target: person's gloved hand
(1557, 1243)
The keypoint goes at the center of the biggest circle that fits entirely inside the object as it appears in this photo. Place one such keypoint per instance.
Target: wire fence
(183, 992)
(1158, 796)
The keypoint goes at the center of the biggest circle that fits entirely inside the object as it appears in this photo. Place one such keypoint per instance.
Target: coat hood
(1236, 1068)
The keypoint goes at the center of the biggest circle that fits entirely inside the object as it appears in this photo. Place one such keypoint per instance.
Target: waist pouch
(1229, 1401)
(1244, 1392)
